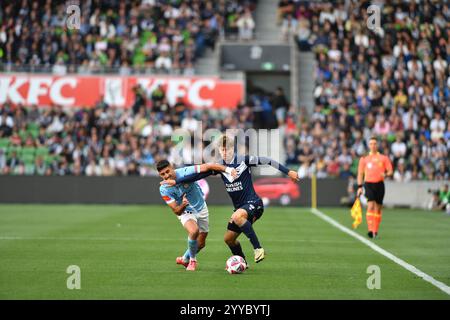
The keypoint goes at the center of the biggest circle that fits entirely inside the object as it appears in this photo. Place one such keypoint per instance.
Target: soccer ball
(235, 264)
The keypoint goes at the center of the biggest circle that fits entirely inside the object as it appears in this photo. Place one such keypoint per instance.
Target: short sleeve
(361, 165)
(187, 171)
(166, 195)
(387, 164)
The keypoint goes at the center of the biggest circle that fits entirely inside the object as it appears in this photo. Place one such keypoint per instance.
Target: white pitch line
(383, 252)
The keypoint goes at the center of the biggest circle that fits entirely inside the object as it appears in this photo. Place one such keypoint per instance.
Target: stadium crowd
(391, 82)
(117, 36)
(112, 141)
(104, 141)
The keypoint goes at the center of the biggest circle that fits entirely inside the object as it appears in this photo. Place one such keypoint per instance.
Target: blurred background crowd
(391, 82)
(134, 36)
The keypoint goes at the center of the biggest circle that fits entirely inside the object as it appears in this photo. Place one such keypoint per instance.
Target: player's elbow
(177, 210)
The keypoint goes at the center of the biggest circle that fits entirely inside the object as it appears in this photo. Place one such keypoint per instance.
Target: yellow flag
(356, 213)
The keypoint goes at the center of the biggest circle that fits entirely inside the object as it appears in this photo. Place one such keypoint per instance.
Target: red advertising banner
(86, 91)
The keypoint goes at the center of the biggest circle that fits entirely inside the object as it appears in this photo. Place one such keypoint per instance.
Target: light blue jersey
(193, 191)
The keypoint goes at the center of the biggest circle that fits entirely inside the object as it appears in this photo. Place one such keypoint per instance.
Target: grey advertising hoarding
(255, 57)
(145, 190)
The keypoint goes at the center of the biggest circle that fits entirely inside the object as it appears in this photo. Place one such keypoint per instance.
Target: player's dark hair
(373, 138)
(162, 165)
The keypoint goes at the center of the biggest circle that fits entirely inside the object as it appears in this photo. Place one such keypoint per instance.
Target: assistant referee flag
(356, 213)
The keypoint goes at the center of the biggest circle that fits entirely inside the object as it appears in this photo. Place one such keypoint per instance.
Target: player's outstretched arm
(218, 167)
(259, 161)
(198, 172)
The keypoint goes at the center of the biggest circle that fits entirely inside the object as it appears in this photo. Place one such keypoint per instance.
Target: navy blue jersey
(240, 189)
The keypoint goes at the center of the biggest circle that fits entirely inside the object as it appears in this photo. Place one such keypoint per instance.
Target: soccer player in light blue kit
(187, 202)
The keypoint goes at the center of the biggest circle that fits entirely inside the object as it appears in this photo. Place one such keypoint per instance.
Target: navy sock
(247, 229)
(237, 250)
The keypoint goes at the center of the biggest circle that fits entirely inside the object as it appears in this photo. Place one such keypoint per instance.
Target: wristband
(228, 170)
(360, 185)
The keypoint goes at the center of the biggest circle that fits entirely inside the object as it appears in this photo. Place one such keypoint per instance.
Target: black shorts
(254, 210)
(374, 191)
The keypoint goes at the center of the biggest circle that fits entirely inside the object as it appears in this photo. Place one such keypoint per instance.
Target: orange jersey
(374, 166)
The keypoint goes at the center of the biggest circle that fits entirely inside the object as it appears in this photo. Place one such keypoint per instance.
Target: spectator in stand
(398, 148)
(285, 7)
(246, 25)
(289, 27)
(302, 34)
(306, 170)
(382, 126)
(280, 103)
(401, 174)
(139, 99)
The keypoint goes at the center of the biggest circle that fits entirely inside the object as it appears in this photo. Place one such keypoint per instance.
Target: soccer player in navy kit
(248, 206)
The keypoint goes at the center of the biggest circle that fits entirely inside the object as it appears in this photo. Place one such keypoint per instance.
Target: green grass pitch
(128, 252)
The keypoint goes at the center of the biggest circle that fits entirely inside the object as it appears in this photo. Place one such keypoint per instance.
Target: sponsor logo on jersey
(239, 169)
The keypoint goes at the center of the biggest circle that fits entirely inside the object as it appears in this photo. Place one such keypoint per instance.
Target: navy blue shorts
(254, 210)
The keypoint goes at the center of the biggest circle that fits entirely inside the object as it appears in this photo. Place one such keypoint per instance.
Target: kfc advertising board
(86, 91)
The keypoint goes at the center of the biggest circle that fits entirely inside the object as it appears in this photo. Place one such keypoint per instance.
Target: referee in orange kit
(373, 168)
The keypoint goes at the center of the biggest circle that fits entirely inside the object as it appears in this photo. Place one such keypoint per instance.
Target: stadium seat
(33, 129)
(4, 142)
(28, 150)
(12, 149)
(41, 151)
(49, 159)
(23, 134)
(27, 156)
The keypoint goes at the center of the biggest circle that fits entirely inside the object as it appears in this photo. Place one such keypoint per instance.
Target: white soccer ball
(235, 264)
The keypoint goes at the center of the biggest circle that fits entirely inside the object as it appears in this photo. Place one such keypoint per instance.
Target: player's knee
(193, 234)
(239, 218)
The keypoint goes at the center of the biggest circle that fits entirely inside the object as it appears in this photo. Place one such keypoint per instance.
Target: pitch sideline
(442, 286)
